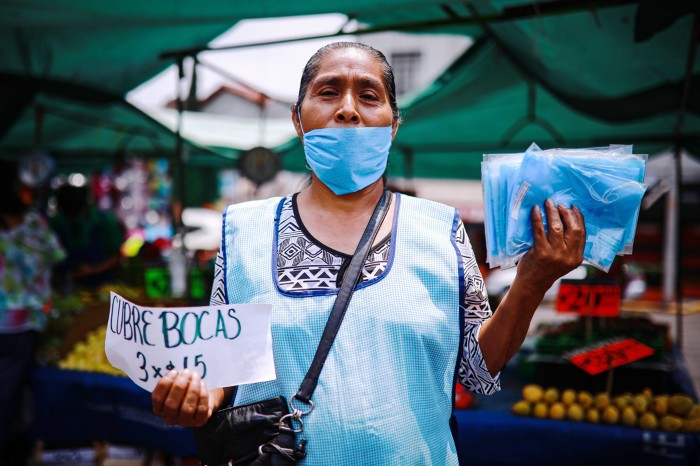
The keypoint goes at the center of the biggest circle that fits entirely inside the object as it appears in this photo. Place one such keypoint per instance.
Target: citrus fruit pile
(89, 355)
(644, 410)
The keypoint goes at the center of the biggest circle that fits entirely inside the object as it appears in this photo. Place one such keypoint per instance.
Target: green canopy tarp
(560, 73)
(570, 80)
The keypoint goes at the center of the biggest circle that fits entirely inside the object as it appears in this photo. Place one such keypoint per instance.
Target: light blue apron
(385, 393)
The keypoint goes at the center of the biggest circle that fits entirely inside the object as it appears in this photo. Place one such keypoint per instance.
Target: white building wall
(231, 104)
(437, 51)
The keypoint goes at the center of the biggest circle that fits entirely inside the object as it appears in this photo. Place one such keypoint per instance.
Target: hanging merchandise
(606, 184)
(36, 168)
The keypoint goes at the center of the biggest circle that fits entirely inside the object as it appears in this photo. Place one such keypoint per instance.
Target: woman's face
(348, 90)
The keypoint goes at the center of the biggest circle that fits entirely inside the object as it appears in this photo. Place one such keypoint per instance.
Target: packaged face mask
(609, 202)
(615, 160)
(605, 183)
(498, 174)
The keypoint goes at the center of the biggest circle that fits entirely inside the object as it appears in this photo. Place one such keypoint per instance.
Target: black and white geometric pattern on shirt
(303, 263)
(218, 289)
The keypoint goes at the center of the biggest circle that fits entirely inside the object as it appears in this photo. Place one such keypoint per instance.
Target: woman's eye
(328, 93)
(370, 97)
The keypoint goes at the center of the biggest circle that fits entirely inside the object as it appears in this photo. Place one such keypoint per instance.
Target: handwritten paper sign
(586, 297)
(226, 345)
(609, 354)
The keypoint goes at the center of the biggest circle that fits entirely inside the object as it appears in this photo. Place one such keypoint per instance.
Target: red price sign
(589, 298)
(611, 354)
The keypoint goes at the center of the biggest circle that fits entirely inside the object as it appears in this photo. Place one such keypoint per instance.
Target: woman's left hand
(557, 251)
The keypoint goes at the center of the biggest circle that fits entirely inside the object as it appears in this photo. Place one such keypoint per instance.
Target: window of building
(406, 68)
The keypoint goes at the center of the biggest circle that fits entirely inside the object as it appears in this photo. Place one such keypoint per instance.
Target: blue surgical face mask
(347, 160)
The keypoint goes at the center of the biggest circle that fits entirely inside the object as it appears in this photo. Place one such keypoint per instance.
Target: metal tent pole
(690, 64)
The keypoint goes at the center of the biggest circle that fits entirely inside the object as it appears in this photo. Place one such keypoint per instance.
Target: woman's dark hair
(10, 200)
(72, 200)
(312, 66)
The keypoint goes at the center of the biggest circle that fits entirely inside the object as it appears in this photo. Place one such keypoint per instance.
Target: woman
(28, 253)
(420, 316)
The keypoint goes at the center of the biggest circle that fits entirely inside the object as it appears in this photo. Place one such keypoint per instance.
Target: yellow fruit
(629, 417)
(659, 405)
(602, 401)
(540, 410)
(575, 412)
(694, 412)
(670, 423)
(648, 394)
(621, 401)
(557, 411)
(680, 405)
(89, 355)
(522, 408)
(551, 395)
(585, 399)
(611, 415)
(568, 396)
(639, 403)
(532, 393)
(592, 415)
(648, 421)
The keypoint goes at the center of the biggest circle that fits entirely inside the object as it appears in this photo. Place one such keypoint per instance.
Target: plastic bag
(605, 184)
(499, 172)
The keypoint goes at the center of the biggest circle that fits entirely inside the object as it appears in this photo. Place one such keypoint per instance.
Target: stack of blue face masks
(606, 184)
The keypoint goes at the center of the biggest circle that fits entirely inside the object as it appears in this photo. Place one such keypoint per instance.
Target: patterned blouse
(304, 263)
(28, 253)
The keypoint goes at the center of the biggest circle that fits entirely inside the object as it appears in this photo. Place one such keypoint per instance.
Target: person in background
(93, 239)
(28, 252)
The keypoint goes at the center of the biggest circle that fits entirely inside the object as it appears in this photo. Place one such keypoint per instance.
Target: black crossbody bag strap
(351, 277)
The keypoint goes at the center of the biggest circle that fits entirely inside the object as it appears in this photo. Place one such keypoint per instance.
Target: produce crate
(564, 338)
(553, 371)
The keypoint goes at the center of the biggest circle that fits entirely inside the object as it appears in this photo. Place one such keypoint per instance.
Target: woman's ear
(297, 123)
(394, 128)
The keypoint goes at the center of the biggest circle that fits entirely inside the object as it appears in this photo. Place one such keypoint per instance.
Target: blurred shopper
(28, 252)
(93, 239)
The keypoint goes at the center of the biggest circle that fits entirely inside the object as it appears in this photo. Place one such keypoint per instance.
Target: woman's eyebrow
(371, 82)
(324, 80)
(333, 80)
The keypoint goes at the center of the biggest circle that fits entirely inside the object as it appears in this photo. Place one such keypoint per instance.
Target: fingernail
(195, 376)
(537, 209)
(187, 373)
(550, 202)
(171, 374)
(575, 207)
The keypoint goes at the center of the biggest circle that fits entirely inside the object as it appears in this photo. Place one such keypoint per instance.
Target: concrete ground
(690, 338)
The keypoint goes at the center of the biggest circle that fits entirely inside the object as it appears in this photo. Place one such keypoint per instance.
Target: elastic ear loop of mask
(298, 106)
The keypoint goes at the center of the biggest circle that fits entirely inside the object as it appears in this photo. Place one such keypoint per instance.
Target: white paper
(226, 345)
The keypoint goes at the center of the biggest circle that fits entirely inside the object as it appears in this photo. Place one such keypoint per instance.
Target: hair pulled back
(314, 63)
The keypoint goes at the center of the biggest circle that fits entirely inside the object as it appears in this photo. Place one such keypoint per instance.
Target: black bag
(249, 435)
(262, 433)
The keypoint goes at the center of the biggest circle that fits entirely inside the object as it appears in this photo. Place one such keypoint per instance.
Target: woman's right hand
(182, 398)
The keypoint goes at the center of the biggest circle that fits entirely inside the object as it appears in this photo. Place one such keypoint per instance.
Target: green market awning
(86, 129)
(561, 73)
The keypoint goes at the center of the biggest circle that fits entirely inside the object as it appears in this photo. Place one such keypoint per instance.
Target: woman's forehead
(350, 60)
